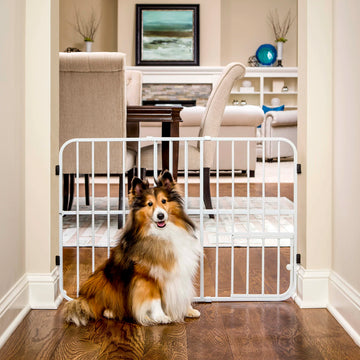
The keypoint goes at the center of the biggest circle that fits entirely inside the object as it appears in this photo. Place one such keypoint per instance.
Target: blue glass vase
(266, 54)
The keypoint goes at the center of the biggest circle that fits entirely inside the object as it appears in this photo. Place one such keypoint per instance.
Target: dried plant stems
(280, 29)
(86, 29)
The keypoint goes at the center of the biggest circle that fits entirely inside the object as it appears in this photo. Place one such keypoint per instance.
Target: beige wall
(105, 37)
(346, 142)
(12, 136)
(245, 26)
(230, 30)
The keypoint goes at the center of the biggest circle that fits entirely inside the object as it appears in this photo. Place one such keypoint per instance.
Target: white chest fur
(178, 289)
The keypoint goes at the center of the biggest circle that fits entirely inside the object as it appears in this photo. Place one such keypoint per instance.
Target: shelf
(245, 93)
(263, 82)
(280, 93)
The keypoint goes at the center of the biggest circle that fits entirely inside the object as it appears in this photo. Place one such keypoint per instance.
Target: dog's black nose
(160, 216)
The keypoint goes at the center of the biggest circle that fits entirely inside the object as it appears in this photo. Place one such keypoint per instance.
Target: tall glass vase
(279, 45)
(88, 45)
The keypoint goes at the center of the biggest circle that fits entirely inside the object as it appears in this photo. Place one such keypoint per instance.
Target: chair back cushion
(133, 87)
(215, 107)
(92, 105)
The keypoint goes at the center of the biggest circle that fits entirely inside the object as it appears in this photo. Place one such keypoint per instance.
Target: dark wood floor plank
(166, 342)
(206, 336)
(286, 335)
(327, 335)
(35, 337)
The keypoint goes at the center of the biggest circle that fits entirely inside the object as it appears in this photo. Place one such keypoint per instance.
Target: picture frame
(167, 34)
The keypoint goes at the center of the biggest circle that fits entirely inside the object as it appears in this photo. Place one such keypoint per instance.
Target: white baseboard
(31, 291)
(44, 290)
(344, 305)
(14, 306)
(312, 288)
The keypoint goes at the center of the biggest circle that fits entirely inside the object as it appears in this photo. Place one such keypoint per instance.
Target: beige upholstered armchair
(279, 124)
(92, 105)
(211, 120)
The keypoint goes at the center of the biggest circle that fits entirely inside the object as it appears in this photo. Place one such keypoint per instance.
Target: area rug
(224, 230)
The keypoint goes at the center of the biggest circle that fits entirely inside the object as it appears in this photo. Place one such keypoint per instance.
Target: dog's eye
(163, 201)
(150, 203)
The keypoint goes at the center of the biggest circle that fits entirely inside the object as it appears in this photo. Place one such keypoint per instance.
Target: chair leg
(87, 196)
(65, 191)
(120, 206)
(207, 195)
(71, 197)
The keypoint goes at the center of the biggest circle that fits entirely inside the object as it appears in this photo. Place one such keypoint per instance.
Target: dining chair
(92, 105)
(210, 126)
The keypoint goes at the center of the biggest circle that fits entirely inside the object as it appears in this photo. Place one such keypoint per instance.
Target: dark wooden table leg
(71, 196)
(120, 205)
(174, 132)
(87, 192)
(165, 132)
(170, 130)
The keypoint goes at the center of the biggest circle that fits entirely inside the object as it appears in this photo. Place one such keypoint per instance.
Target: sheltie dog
(149, 274)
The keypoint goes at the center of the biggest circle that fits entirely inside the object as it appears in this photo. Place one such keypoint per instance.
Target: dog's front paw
(192, 313)
(108, 314)
(162, 319)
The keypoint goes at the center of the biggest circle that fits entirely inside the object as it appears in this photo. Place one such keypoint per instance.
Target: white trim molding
(31, 291)
(201, 74)
(44, 290)
(312, 288)
(14, 306)
(344, 305)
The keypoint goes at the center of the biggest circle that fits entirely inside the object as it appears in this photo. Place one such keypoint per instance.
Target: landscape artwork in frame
(167, 34)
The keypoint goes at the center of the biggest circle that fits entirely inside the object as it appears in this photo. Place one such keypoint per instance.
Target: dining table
(169, 116)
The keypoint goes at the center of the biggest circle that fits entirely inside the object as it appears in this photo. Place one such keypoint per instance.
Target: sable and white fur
(149, 275)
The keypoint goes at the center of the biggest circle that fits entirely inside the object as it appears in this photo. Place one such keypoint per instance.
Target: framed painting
(167, 34)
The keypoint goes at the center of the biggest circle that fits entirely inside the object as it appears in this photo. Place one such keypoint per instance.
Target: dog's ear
(137, 188)
(166, 180)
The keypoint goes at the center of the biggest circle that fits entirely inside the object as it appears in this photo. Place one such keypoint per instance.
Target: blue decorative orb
(266, 54)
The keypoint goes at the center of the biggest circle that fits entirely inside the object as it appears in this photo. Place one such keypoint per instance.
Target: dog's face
(155, 207)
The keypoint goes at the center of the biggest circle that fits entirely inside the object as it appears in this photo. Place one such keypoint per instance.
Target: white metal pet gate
(249, 244)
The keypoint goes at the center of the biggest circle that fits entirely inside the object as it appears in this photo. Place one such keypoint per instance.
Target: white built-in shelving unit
(262, 80)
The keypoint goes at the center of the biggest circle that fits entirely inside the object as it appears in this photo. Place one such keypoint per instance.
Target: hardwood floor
(243, 330)
(253, 331)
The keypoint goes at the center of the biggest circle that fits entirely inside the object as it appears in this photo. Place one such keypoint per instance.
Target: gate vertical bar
(232, 215)
(217, 223)
(93, 205)
(279, 219)
(124, 192)
(155, 160)
(248, 214)
(171, 156)
(201, 205)
(77, 221)
(263, 224)
(186, 188)
(108, 195)
(61, 200)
